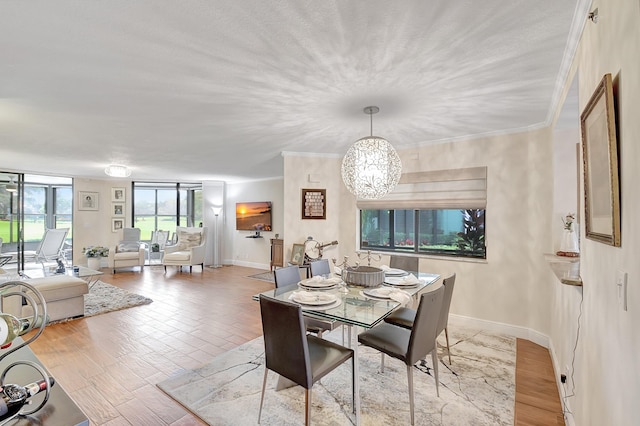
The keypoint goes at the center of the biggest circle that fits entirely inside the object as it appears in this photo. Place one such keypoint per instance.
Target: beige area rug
(477, 389)
(103, 298)
(263, 276)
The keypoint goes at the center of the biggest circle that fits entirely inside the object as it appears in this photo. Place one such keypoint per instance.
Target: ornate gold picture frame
(600, 161)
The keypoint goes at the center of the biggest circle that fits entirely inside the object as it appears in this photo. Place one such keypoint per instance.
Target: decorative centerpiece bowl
(366, 276)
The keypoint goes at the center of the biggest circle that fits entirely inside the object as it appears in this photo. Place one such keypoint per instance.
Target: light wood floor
(110, 363)
(537, 399)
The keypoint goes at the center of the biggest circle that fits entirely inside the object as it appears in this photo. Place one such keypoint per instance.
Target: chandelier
(116, 170)
(371, 168)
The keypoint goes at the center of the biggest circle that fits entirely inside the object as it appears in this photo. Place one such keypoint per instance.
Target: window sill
(566, 269)
(428, 256)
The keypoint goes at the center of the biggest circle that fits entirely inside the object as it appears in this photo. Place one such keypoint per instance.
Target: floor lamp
(216, 240)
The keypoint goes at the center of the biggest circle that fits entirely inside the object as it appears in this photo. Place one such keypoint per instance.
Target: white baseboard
(499, 327)
(523, 333)
(248, 264)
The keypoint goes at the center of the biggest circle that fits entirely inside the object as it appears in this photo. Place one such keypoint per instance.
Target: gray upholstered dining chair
(409, 346)
(404, 317)
(320, 267)
(296, 355)
(291, 275)
(405, 263)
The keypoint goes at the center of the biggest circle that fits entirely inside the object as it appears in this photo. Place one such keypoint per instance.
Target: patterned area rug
(263, 276)
(477, 389)
(103, 298)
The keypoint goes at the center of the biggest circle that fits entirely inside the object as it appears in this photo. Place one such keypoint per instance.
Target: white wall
(93, 228)
(252, 252)
(317, 172)
(607, 369)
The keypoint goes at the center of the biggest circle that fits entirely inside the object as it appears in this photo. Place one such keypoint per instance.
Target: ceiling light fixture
(371, 168)
(117, 170)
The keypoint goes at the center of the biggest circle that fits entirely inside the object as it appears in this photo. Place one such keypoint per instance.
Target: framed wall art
(600, 162)
(88, 200)
(314, 204)
(117, 209)
(117, 224)
(117, 194)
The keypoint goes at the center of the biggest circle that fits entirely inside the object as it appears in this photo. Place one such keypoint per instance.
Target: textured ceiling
(216, 90)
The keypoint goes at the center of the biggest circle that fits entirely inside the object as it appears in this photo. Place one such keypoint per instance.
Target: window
(438, 212)
(46, 202)
(163, 206)
(436, 232)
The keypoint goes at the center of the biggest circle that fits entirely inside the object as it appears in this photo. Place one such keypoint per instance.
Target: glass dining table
(352, 307)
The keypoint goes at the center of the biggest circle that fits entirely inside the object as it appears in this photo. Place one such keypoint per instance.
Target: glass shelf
(566, 269)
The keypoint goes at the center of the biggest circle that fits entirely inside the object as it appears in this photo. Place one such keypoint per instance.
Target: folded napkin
(409, 279)
(311, 297)
(396, 294)
(384, 267)
(319, 279)
(337, 271)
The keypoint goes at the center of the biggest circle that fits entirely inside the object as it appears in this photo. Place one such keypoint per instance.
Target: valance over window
(434, 190)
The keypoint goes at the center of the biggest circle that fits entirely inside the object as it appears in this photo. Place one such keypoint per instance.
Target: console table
(60, 410)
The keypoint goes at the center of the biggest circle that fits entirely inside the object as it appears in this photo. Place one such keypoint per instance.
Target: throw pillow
(186, 240)
(128, 247)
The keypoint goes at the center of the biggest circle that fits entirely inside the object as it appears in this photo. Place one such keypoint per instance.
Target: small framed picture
(117, 209)
(117, 194)
(297, 254)
(88, 201)
(117, 224)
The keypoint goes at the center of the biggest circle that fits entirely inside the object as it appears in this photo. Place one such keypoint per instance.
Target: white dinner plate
(377, 292)
(399, 282)
(395, 272)
(311, 283)
(313, 298)
(332, 287)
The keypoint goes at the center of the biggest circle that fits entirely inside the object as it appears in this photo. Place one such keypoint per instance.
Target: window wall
(163, 206)
(450, 232)
(30, 204)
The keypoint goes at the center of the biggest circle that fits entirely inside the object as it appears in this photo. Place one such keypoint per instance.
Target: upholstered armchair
(127, 253)
(189, 250)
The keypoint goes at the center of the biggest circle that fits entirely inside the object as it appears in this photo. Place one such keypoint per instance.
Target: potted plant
(94, 253)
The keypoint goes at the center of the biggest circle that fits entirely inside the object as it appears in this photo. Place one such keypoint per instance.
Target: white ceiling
(216, 90)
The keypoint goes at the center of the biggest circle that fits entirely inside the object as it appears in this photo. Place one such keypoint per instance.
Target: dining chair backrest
(405, 263)
(286, 276)
(319, 267)
(285, 341)
(448, 284)
(423, 333)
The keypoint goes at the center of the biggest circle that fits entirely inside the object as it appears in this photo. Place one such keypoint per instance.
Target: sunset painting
(253, 216)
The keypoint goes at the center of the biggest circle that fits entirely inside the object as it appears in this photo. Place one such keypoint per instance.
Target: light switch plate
(621, 284)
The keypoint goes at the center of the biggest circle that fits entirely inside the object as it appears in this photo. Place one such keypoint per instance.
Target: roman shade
(435, 190)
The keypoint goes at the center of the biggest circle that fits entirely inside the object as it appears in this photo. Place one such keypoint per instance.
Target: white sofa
(63, 294)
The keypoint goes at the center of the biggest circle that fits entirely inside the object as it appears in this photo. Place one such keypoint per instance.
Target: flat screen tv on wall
(253, 216)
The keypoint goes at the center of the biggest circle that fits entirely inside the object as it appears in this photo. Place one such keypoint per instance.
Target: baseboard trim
(500, 327)
(250, 264)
